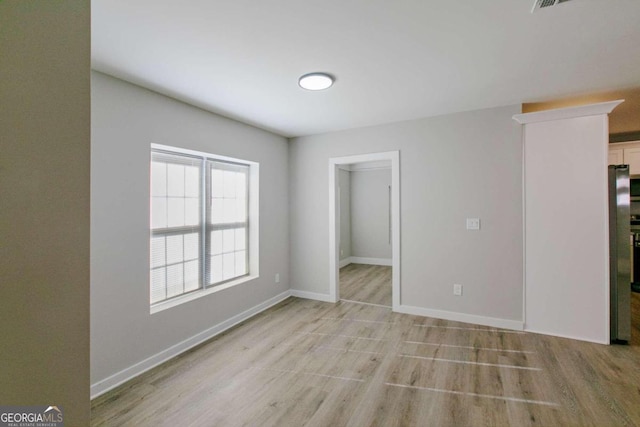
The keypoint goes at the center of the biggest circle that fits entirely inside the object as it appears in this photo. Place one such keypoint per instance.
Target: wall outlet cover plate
(473, 223)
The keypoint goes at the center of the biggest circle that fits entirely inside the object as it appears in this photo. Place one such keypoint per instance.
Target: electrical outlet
(341, 252)
(473, 223)
(457, 290)
(277, 277)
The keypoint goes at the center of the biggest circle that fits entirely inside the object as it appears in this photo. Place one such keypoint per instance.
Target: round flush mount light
(316, 81)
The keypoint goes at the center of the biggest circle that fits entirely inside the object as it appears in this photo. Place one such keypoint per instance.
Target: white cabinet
(616, 157)
(626, 153)
(632, 158)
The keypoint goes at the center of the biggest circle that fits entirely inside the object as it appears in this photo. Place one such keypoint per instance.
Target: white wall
(370, 214)
(452, 167)
(566, 228)
(44, 205)
(125, 120)
(344, 181)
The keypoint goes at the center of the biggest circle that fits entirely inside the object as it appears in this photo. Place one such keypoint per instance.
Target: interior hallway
(366, 283)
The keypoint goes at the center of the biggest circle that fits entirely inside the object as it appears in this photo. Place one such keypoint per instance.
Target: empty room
(296, 213)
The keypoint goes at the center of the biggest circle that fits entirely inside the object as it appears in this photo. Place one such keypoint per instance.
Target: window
(200, 222)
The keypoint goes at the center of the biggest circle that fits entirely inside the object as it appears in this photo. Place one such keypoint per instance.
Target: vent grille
(541, 4)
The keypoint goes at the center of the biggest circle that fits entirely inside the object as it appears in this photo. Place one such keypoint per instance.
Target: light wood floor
(366, 283)
(309, 363)
(635, 318)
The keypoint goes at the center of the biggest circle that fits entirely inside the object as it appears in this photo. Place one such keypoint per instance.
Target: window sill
(164, 305)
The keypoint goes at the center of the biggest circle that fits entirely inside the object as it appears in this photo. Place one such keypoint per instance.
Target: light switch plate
(473, 223)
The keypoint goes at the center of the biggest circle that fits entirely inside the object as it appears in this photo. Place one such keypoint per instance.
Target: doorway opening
(364, 228)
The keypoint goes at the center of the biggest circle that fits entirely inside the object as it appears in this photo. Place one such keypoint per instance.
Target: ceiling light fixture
(316, 81)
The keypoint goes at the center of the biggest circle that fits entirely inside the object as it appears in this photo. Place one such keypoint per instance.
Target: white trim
(524, 227)
(365, 166)
(461, 317)
(365, 260)
(254, 219)
(173, 302)
(345, 262)
(334, 231)
(133, 371)
(573, 337)
(201, 154)
(606, 298)
(312, 295)
(567, 113)
(370, 261)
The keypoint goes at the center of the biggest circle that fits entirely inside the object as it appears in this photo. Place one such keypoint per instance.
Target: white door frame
(334, 220)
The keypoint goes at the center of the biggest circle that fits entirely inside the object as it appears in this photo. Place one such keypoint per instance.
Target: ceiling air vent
(541, 4)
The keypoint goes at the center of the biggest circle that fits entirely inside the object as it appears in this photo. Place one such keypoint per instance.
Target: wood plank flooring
(366, 283)
(635, 318)
(309, 363)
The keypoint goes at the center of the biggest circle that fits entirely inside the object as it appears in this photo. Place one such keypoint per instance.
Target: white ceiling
(394, 60)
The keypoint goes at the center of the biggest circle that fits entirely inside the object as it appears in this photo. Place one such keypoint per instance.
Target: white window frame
(253, 230)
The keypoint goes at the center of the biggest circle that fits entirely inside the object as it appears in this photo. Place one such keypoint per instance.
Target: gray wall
(452, 167)
(370, 213)
(125, 120)
(344, 178)
(44, 205)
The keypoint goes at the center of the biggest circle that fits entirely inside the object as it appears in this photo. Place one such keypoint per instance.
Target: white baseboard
(461, 317)
(125, 375)
(571, 337)
(370, 261)
(312, 295)
(344, 262)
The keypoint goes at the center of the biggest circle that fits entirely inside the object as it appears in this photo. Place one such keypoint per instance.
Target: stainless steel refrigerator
(620, 252)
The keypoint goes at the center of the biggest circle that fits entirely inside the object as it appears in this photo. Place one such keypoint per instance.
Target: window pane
(228, 266)
(191, 246)
(179, 202)
(228, 241)
(158, 212)
(229, 184)
(158, 179)
(175, 280)
(158, 285)
(175, 216)
(241, 210)
(229, 210)
(217, 183)
(175, 181)
(241, 185)
(241, 239)
(191, 276)
(174, 249)
(192, 212)
(216, 242)
(241, 263)
(217, 214)
(192, 181)
(216, 268)
(157, 252)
